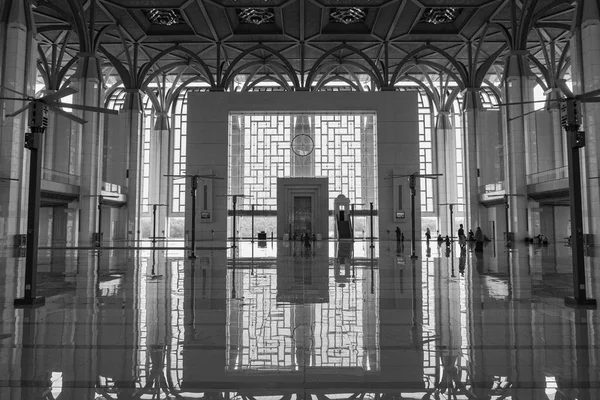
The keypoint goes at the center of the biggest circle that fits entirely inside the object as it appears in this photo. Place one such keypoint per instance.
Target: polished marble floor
(281, 321)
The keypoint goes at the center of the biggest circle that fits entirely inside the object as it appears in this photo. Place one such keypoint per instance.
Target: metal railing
(549, 175)
(59, 177)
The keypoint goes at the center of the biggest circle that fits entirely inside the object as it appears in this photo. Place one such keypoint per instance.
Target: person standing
(398, 234)
(428, 235)
(478, 240)
(461, 233)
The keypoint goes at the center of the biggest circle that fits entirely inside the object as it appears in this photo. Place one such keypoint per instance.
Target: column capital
(472, 99)
(161, 122)
(443, 120)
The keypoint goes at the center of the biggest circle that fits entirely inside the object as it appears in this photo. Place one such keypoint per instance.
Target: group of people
(476, 237)
(305, 238)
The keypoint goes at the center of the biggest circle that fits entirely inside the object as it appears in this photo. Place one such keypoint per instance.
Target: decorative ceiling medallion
(164, 16)
(348, 15)
(439, 15)
(302, 145)
(256, 15)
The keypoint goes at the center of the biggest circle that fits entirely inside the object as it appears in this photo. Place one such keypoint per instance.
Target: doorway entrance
(302, 207)
(302, 215)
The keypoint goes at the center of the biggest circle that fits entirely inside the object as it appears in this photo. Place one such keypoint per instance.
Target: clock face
(302, 145)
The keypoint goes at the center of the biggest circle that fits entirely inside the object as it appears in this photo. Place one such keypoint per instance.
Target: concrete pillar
(159, 190)
(559, 137)
(518, 135)
(131, 124)
(585, 45)
(89, 91)
(471, 124)
(18, 55)
(446, 158)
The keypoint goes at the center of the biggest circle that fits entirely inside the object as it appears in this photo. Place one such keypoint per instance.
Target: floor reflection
(330, 321)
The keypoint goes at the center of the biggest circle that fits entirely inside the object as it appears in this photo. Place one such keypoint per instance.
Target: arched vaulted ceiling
(304, 41)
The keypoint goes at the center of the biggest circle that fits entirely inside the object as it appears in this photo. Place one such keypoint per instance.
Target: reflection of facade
(295, 317)
(305, 319)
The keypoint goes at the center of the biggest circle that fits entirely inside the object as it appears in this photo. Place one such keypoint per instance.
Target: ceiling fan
(39, 107)
(38, 122)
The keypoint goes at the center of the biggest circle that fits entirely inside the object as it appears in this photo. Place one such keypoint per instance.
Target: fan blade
(12, 98)
(67, 115)
(562, 85)
(523, 115)
(585, 96)
(59, 94)
(14, 91)
(517, 103)
(19, 111)
(85, 108)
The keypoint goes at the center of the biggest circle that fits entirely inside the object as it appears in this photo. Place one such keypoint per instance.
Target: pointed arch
(378, 78)
(230, 71)
(409, 57)
(205, 70)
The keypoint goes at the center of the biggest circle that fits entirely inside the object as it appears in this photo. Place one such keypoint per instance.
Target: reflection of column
(10, 351)
(117, 331)
(526, 373)
(208, 311)
(489, 330)
(448, 319)
(158, 313)
(83, 366)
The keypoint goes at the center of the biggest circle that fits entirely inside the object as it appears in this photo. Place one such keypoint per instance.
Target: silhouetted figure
(428, 235)
(398, 234)
(471, 235)
(440, 240)
(478, 240)
(447, 240)
(307, 240)
(461, 233)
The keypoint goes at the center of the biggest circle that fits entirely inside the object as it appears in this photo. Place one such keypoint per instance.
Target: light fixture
(439, 15)
(256, 16)
(348, 15)
(164, 16)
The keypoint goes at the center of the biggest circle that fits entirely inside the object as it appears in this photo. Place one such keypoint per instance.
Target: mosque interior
(299, 199)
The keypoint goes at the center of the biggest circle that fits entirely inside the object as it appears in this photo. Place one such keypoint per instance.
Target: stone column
(518, 88)
(18, 55)
(472, 127)
(88, 83)
(131, 124)
(585, 49)
(159, 167)
(559, 137)
(446, 164)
